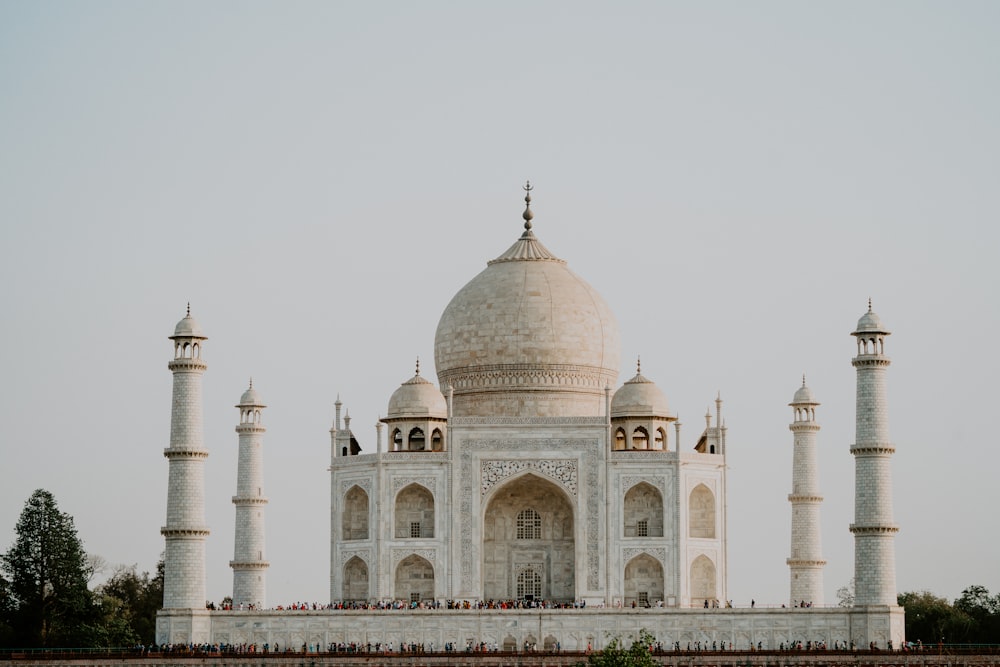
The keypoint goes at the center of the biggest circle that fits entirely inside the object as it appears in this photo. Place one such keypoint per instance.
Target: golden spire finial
(527, 215)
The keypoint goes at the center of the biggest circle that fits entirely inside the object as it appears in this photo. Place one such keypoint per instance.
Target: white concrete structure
(185, 530)
(527, 476)
(249, 564)
(806, 562)
(873, 527)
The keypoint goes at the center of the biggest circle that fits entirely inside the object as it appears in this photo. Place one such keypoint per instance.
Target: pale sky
(318, 179)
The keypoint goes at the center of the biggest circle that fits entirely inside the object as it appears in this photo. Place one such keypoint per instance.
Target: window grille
(529, 525)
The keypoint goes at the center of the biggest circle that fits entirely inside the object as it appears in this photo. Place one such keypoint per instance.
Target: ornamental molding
(658, 482)
(249, 500)
(184, 532)
(804, 498)
(873, 449)
(365, 555)
(470, 499)
(874, 530)
(561, 471)
(398, 555)
(429, 483)
(181, 453)
(501, 377)
(657, 553)
(363, 483)
(411, 456)
(528, 421)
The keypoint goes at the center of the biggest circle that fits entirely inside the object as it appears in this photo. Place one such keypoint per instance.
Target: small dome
(870, 322)
(188, 327)
(640, 397)
(251, 397)
(804, 396)
(417, 398)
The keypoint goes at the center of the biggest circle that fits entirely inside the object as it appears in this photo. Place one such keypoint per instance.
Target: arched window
(416, 440)
(661, 439)
(701, 512)
(643, 511)
(640, 438)
(397, 440)
(355, 580)
(414, 512)
(354, 518)
(529, 525)
(437, 440)
(620, 439)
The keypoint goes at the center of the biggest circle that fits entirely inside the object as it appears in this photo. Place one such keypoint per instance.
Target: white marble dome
(640, 397)
(804, 396)
(417, 398)
(527, 337)
(188, 328)
(251, 397)
(870, 322)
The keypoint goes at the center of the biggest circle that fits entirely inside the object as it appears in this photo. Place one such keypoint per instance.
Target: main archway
(528, 543)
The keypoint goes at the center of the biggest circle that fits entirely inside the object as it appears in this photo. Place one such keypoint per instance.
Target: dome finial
(803, 379)
(869, 304)
(527, 215)
(189, 309)
(418, 366)
(251, 382)
(638, 365)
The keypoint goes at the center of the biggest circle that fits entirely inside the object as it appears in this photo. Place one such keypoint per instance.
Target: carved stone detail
(658, 482)
(364, 483)
(494, 471)
(399, 554)
(427, 482)
(348, 554)
(659, 553)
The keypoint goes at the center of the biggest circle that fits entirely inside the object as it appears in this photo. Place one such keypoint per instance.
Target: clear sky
(319, 178)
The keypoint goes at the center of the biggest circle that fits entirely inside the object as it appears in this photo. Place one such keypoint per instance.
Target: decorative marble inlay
(656, 481)
(399, 554)
(364, 483)
(562, 471)
(428, 483)
(348, 554)
(659, 553)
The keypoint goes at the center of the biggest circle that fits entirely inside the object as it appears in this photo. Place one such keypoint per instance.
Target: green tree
(930, 618)
(616, 655)
(133, 598)
(984, 610)
(47, 571)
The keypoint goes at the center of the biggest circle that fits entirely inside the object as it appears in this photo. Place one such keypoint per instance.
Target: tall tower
(185, 532)
(873, 527)
(806, 562)
(249, 566)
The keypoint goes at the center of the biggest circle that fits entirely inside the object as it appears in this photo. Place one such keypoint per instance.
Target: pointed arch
(354, 517)
(437, 440)
(416, 442)
(528, 523)
(660, 442)
(620, 439)
(643, 511)
(703, 581)
(701, 512)
(414, 579)
(643, 581)
(397, 440)
(640, 438)
(355, 580)
(414, 512)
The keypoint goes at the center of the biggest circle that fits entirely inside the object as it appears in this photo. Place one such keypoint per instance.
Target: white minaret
(806, 562)
(873, 527)
(185, 532)
(249, 565)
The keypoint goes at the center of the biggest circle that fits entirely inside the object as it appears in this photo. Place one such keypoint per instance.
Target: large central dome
(527, 337)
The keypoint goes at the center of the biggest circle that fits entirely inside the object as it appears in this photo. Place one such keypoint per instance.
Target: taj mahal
(528, 498)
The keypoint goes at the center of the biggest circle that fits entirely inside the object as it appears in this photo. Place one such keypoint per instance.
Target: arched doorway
(414, 579)
(643, 581)
(355, 580)
(702, 581)
(528, 542)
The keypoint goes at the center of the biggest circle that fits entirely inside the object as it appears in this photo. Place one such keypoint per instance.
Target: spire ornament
(527, 215)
